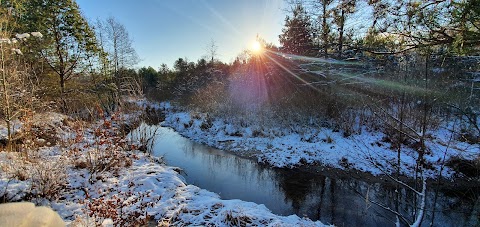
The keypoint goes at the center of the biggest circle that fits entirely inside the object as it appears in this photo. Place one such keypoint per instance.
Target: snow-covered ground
(121, 187)
(280, 147)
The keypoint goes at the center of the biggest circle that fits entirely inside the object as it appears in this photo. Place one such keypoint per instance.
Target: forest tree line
(52, 53)
(343, 28)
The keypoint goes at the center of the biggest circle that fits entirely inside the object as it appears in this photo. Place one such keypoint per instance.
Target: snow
(37, 34)
(16, 127)
(284, 147)
(438, 70)
(140, 188)
(4, 40)
(17, 51)
(147, 187)
(173, 200)
(22, 36)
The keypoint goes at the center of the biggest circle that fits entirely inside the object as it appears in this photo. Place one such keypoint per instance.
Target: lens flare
(256, 47)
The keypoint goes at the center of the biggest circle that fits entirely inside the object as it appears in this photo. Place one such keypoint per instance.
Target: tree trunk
(325, 30)
(6, 100)
(62, 92)
(340, 35)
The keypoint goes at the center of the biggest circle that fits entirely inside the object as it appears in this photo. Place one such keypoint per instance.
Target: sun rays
(270, 77)
(256, 47)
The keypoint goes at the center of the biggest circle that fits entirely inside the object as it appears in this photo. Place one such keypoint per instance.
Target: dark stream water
(338, 200)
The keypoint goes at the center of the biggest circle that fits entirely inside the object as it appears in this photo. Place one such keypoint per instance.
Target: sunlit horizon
(256, 47)
(164, 31)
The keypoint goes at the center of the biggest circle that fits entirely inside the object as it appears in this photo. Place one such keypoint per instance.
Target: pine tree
(296, 37)
(466, 19)
(324, 17)
(67, 37)
(449, 26)
(344, 9)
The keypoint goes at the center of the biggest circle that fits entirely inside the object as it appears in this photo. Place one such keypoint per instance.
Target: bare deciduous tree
(212, 50)
(118, 45)
(16, 89)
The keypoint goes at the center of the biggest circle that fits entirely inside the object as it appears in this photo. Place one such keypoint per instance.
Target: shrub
(48, 177)
(123, 208)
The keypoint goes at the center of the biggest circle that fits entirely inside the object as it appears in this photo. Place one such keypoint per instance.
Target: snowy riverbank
(90, 174)
(284, 147)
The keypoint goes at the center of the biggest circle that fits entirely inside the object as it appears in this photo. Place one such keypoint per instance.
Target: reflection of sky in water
(286, 192)
(228, 175)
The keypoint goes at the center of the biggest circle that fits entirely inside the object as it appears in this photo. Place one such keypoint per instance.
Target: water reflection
(331, 200)
(338, 200)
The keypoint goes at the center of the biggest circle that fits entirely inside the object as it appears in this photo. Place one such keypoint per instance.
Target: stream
(337, 199)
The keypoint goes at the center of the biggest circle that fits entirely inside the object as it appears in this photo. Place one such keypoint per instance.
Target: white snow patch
(282, 147)
(144, 187)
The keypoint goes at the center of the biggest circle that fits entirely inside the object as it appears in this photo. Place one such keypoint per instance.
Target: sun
(256, 47)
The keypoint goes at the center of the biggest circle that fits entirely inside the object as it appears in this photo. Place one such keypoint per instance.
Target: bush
(123, 208)
(48, 177)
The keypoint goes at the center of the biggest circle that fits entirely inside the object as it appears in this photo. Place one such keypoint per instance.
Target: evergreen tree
(165, 74)
(181, 66)
(451, 26)
(466, 19)
(343, 10)
(67, 37)
(149, 77)
(164, 70)
(325, 11)
(296, 37)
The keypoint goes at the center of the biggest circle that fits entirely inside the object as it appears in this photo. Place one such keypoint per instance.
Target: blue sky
(164, 30)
